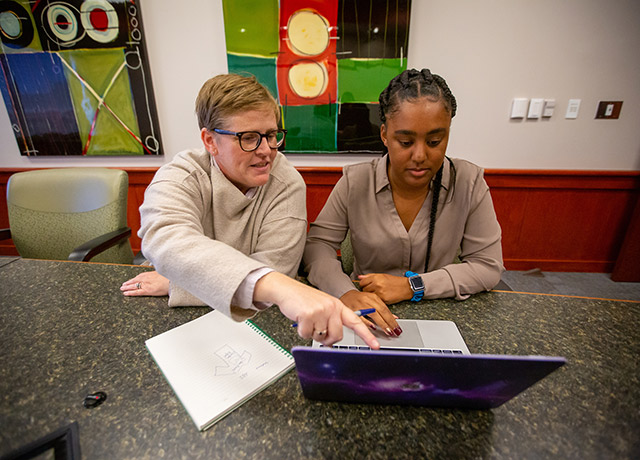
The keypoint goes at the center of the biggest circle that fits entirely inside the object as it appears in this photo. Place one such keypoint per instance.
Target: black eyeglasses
(251, 140)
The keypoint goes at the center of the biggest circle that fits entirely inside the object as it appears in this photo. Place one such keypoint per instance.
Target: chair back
(53, 211)
(346, 254)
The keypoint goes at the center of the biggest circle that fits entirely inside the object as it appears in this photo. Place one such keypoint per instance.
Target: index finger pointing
(352, 321)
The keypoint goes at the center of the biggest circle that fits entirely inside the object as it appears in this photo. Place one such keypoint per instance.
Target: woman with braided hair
(411, 214)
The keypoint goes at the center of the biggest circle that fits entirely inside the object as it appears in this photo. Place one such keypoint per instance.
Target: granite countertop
(67, 331)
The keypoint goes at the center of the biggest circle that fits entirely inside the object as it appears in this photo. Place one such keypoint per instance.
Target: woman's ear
(383, 134)
(209, 141)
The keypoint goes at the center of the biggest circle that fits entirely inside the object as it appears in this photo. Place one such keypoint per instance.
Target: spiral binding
(255, 327)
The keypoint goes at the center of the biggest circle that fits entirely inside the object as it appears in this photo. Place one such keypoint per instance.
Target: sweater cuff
(242, 299)
(179, 297)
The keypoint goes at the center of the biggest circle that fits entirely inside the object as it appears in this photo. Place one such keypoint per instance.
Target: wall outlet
(609, 109)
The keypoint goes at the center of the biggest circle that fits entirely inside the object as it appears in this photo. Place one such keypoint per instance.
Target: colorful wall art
(326, 61)
(75, 78)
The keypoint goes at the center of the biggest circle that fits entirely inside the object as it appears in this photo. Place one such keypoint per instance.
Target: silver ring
(322, 333)
(138, 285)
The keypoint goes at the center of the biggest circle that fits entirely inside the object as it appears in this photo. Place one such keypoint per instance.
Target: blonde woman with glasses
(225, 225)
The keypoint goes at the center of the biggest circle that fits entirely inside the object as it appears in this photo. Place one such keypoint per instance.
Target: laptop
(428, 365)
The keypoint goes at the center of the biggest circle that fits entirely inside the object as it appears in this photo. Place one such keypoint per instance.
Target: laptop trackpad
(416, 334)
(410, 337)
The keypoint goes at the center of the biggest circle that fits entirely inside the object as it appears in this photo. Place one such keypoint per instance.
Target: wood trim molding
(563, 179)
(555, 220)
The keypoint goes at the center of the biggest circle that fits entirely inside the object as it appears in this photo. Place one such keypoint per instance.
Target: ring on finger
(138, 285)
(322, 333)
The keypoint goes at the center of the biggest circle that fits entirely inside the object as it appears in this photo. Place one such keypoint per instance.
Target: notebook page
(214, 364)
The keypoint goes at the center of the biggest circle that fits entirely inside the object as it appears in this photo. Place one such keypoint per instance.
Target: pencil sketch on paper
(233, 361)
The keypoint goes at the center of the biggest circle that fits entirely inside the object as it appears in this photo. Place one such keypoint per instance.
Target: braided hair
(410, 85)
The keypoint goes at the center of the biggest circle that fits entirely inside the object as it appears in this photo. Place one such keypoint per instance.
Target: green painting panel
(251, 26)
(263, 68)
(110, 135)
(310, 128)
(362, 80)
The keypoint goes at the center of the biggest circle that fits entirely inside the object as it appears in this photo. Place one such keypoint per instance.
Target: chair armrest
(90, 249)
(5, 233)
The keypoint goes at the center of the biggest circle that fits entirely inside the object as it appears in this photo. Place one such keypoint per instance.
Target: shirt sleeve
(325, 235)
(480, 255)
(243, 296)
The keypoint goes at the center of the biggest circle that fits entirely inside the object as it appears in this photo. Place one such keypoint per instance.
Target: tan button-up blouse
(466, 228)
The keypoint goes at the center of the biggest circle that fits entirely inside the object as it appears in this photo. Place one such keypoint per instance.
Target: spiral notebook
(215, 364)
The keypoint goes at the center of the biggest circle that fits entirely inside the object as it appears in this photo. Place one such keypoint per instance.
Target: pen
(366, 311)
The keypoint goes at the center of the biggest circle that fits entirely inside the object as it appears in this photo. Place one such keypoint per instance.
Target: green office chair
(346, 254)
(70, 213)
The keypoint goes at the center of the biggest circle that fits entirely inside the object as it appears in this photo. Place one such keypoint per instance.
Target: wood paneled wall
(552, 220)
(563, 220)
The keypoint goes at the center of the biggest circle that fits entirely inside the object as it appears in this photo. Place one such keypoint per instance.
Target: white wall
(490, 51)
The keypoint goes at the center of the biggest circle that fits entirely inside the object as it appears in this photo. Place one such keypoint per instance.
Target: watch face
(416, 283)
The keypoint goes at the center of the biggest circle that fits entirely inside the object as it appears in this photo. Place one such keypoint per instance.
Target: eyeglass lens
(251, 140)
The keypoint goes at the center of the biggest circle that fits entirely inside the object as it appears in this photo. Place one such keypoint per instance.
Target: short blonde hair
(226, 95)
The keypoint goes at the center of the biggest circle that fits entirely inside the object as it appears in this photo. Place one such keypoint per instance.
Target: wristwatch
(417, 285)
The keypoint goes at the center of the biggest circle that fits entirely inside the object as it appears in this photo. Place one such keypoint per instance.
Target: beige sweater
(206, 236)
(362, 201)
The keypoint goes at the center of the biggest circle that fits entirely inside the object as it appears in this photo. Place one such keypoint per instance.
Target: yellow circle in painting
(308, 79)
(308, 33)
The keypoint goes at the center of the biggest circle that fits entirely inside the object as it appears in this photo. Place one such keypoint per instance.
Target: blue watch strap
(417, 295)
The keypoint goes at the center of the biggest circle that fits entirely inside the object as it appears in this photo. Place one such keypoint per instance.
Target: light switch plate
(549, 106)
(573, 108)
(519, 107)
(535, 108)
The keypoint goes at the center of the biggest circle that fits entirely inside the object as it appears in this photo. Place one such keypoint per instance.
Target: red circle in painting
(99, 19)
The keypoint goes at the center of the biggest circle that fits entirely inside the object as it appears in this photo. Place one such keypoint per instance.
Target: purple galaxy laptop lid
(424, 379)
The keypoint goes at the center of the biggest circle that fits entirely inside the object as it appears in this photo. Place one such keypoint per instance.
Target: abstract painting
(326, 62)
(75, 78)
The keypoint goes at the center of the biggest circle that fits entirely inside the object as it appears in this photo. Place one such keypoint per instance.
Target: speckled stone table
(66, 331)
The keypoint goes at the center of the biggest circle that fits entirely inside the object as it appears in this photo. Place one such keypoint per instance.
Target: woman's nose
(420, 152)
(263, 147)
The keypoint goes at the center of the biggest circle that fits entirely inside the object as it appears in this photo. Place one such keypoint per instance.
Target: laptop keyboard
(417, 350)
